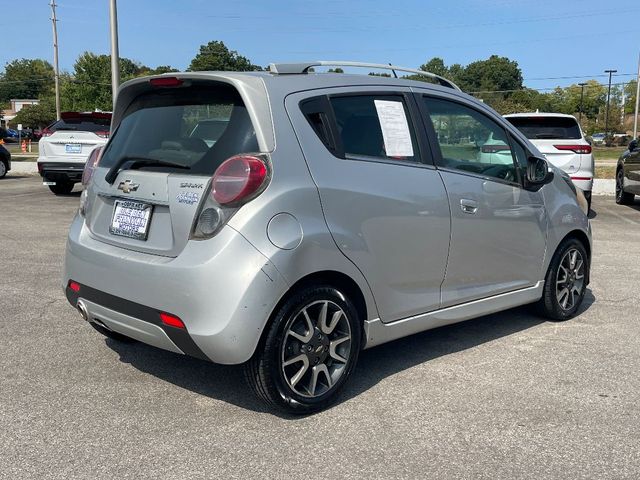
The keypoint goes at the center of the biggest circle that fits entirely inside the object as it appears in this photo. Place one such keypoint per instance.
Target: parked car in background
(628, 174)
(65, 146)
(332, 213)
(562, 142)
(5, 161)
(11, 135)
(598, 138)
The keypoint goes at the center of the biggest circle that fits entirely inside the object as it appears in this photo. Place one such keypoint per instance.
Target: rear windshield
(81, 124)
(547, 127)
(196, 127)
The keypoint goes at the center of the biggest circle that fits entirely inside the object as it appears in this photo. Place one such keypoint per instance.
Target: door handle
(468, 206)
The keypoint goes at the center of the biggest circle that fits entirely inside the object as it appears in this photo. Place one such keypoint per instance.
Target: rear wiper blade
(138, 162)
(545, 135)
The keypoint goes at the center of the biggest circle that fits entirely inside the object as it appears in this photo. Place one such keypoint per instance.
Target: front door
(383, 200)
(498, 229)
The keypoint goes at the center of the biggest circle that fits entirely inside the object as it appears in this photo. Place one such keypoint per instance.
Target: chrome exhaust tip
(82, 308)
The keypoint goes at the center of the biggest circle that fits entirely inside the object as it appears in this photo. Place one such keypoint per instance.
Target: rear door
(384, 202)
(498, 229)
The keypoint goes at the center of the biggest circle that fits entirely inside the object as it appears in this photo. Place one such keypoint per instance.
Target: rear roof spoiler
(304, 67)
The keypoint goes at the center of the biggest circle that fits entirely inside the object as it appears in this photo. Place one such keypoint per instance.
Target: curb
(30, 168)
(604, 186)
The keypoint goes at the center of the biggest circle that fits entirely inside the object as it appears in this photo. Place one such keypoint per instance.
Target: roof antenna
(394, 72)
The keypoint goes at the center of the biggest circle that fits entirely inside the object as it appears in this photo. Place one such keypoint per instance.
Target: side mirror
(537, 174)
(633, 144)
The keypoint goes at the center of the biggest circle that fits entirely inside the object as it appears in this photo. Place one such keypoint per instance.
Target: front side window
(470, 141)
(376, 126)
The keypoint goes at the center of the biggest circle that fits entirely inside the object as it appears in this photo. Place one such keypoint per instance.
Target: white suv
(65, 146)
(562, 141)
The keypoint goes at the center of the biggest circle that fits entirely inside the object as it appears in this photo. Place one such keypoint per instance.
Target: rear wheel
(3, 169)
(622, 197)
(565, 283)
(61, 188)
(310, 351)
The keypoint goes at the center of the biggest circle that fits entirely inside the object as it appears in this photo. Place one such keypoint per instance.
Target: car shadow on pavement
(227, 384)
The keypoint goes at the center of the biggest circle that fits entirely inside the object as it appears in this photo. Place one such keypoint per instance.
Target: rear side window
(376, 126)
(538, 128)
(198, 127)
(82, 123)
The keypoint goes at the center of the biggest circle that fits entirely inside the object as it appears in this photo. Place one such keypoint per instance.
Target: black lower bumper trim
(179, 336)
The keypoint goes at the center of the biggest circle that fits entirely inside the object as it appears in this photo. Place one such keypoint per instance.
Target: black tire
(268, 373)
(3, 169)
(553, 304)
(62, 188)
(622, 197)
(111, 334)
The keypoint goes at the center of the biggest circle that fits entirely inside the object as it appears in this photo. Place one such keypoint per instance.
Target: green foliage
(335, 70)
(36, 116)
(26, 78)
(215, 56)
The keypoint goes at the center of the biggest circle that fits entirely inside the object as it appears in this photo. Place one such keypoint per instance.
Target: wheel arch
(333, 278)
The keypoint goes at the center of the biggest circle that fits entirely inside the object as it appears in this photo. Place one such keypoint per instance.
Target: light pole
(582, 85)
(115, 56)
(606, 113)
(635, 119)
(56, 70)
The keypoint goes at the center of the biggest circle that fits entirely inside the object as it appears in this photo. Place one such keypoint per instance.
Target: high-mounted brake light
(166, 82)
(90, 166)
(171, 320)
(584, 149)
(237, 179)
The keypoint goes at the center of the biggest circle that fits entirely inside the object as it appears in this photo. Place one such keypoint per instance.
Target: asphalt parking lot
(504, 396)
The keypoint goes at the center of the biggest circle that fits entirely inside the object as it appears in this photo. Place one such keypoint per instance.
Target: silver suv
(323, 214)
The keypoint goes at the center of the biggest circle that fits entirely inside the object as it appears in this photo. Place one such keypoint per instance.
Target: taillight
(495, 148)
(90, 166)
(237, 179)
(46, 132)
(584, 149)
(102, 133)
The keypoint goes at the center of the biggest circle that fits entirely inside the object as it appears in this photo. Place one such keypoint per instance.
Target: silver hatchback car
(318, 215)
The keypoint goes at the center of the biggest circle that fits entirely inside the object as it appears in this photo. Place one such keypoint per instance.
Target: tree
(26, 78)
(89, 87)
(436, 65)
(216, 56)
(36, 116)
(335, 70)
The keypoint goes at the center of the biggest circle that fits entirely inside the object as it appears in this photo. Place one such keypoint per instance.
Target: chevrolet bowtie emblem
(128, 186)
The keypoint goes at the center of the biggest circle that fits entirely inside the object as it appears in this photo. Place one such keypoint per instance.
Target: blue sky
(548, 38)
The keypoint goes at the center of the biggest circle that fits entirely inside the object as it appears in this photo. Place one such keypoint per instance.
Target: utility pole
(115, 56)
(635, 120)
(606, 113)
(582, 85)
(622, 106)
(56, 69)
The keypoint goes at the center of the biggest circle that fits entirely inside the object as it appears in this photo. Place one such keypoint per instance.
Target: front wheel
(3, 169)
(566, 281)
(622, 197)
(61, 188)
(310, 351)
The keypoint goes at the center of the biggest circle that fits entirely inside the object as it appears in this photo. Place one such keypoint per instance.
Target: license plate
(73, 148)
(131, 219)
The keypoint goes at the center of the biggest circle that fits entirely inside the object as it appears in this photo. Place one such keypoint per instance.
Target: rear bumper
(61, 171)
(223, 289)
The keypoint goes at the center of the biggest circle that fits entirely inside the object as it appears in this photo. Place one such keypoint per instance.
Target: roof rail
(303, 67)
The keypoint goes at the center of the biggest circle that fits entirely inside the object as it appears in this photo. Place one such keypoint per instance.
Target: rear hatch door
(75, 135)
(163, 165)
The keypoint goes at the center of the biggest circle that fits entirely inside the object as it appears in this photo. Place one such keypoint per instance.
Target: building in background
(15, 105)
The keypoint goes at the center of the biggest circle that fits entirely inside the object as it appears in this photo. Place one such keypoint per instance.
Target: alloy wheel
(3, 169)
(316, 348)
(570, 279)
